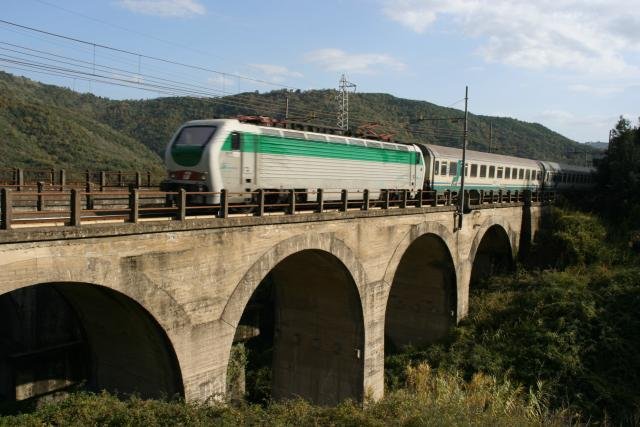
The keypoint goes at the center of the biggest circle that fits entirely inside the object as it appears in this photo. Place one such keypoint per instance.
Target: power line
(92, 71)
(131, 77)
(129, 30)
(140, 55)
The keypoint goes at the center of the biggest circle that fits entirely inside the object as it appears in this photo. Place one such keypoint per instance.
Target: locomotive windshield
(194, 136)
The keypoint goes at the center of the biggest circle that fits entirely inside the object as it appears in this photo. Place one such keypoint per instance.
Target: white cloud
(341, 61)
(276, 73)
(577, 126)
(164, 8)
(589, 36)
(598, 90)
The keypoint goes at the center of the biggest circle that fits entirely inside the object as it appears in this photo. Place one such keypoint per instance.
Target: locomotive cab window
(436, 167)
(235, 141)
(194, 136)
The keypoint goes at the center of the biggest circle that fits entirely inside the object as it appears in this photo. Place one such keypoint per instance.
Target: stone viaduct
(155, 307)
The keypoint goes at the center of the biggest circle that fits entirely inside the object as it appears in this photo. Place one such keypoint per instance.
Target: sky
(572, 65)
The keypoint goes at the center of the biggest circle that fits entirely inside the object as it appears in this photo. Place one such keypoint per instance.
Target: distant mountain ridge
(600, 146)
(49, 126)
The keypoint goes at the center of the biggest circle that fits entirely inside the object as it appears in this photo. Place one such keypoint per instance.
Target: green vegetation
(619, 177)
(430, 399)
(44, 126)
(572, 333)
(36, 133)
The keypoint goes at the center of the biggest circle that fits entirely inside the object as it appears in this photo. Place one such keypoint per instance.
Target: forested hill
(49, 126)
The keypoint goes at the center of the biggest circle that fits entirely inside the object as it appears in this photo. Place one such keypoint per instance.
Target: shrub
(569, 238)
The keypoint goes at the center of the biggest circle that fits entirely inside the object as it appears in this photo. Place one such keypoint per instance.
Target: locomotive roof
(456, 153)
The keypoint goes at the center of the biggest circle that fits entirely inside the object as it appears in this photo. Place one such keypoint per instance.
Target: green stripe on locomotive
(267, 144)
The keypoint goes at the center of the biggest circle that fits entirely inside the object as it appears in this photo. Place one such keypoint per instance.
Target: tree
(619, 174)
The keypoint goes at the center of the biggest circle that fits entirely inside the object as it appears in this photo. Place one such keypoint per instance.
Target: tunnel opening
(60, 337)
(301, 334)
(422, 303)
(493, 257)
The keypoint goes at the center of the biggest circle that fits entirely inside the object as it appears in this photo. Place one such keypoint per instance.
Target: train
(242, 157)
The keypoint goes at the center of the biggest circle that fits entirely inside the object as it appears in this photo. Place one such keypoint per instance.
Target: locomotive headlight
(172, 175)
(203, 176)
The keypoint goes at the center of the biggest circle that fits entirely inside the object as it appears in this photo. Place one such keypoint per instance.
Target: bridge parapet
(75, 207)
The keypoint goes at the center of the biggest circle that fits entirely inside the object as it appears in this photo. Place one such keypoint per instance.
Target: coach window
(483, 171)
(436, 167)
(527, 175)
(507, 173)
(443, 168)
(521, 174)
(492, 171)
(466, 169)
(474, 170)
(235, 141)
(453, 168)
(500, 170)
(539, 175)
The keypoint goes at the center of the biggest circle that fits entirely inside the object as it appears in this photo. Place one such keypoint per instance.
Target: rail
(74, 207)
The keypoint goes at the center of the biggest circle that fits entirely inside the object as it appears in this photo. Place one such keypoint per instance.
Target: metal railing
(73, 207)
(26, 179)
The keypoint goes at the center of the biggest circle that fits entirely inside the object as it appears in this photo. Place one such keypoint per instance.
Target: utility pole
(490, 136)
(286, 109)
(343, 102)
(464, 157)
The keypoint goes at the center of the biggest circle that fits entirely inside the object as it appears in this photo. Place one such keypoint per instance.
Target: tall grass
(429, 398)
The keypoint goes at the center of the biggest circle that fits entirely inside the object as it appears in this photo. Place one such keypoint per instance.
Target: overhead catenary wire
(93, 71)
(141, 55)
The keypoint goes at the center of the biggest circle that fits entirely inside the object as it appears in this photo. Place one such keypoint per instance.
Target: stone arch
(319, 339)
(492, 251)
(423, 295)
(72, 334)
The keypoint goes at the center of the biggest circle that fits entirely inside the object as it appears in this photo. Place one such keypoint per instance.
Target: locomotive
(211, 155)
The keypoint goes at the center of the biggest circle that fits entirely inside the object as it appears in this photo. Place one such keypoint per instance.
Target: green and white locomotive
(211, 155)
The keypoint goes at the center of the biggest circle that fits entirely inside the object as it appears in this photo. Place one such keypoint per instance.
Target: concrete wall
(187, 285)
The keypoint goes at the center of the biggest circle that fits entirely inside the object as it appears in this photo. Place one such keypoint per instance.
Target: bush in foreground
(429, 398)
(577, 332)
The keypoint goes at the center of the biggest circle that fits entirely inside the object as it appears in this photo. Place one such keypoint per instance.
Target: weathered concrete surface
(186, 284)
